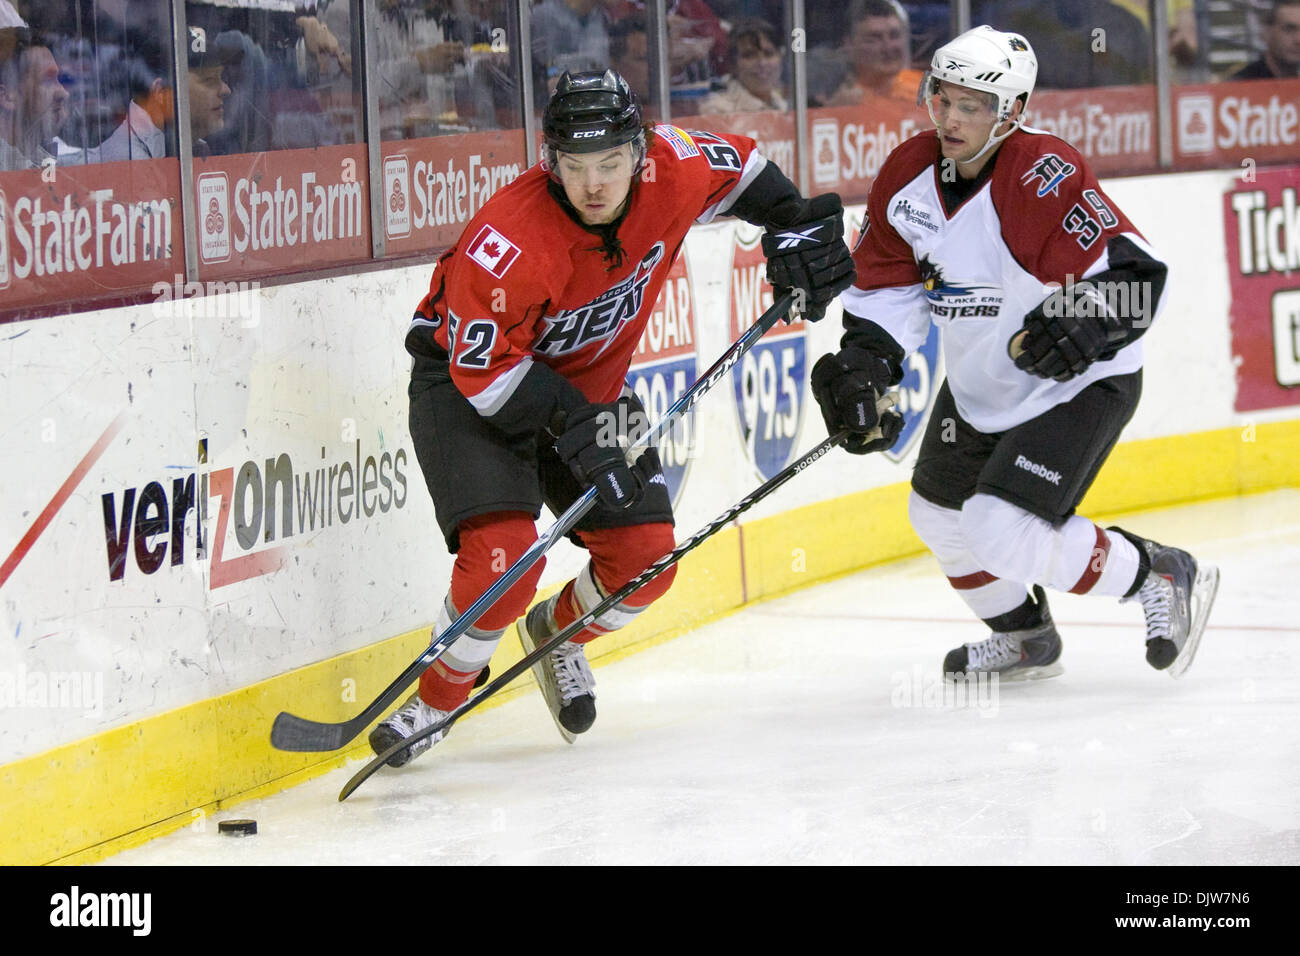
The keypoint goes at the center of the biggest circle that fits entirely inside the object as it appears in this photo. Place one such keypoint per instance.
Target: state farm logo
(397, 207)
(826, 151)
(1195, 123)
(493, 251)
(214, 212)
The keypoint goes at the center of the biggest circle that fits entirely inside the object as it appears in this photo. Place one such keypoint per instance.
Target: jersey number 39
(1083, 221)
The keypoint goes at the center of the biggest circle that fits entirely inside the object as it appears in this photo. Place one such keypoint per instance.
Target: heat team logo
(1049, 172)
(602, 318)
(493, 251)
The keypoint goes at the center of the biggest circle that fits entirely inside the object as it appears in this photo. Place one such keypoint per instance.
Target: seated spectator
(32, 103)
(629, 54)
(1281, 58)
(1065, 35)
(1182, 26)
(568, 28)
(292, 86)
(150, 110)
(876, 55)
(207, 87)
(755, 79)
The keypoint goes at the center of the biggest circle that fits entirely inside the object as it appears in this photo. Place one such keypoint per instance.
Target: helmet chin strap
(994, 139)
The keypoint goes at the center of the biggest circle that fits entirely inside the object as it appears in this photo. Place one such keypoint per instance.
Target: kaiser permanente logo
(265, 501)
(75, 908)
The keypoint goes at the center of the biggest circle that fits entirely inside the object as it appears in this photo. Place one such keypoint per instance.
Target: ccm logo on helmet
(588, 133)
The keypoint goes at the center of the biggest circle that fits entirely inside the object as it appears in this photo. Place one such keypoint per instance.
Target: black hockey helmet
(590, 112)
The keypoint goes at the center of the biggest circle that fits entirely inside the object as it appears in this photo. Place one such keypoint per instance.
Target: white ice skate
(412, 717)
(1033, 653)
(563, 675)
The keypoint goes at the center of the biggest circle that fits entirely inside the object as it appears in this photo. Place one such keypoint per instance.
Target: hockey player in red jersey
(520, 352)
(1041, 288)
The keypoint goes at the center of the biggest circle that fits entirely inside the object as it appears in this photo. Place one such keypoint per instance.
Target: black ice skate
(1176, 598)
(563, 675)
(412, 717)
(1032, 653)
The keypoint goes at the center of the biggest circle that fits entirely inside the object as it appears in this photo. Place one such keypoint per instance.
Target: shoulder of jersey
(514, 233)
(1027, 147)
(909, 160)
(672, 149)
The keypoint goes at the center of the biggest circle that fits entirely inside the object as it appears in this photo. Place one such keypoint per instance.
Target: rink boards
(213, 512)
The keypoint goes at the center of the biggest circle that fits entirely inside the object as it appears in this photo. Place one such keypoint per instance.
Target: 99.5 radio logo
(770, 382)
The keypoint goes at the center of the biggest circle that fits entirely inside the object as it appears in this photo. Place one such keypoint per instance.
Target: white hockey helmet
(987, 60)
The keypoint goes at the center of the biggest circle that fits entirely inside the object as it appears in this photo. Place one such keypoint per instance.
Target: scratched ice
(809, 729)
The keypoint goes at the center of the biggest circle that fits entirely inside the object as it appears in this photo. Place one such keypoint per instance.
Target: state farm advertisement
(1262, 233)
(433, 186)
(88, 231)
(1247, 123)
(849, 144)
(291, 209)
(1114, 127)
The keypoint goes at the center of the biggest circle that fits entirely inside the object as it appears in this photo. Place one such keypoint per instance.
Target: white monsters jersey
(975, 270)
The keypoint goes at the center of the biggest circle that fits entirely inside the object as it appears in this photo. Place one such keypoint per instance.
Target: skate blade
(1204, 591)
(1031, 673)
(1019, 675)
(539, 675)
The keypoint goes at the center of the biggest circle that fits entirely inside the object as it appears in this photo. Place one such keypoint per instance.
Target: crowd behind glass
(93, 81)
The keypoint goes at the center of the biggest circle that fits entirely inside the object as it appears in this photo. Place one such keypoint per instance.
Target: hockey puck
(237, 827)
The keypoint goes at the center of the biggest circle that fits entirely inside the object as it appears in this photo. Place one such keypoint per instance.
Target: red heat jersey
(525, 283)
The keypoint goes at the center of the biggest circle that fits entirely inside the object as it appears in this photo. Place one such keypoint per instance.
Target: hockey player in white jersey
(1041, 289)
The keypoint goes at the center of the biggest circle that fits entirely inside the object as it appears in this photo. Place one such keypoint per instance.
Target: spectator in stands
(1080, 43)
(754, 82)
(1281, 58)
(32, 103)
(876, 54)
(141, 70)
(569, 28)
(1182, 26)
(207, 87)
(629, 54)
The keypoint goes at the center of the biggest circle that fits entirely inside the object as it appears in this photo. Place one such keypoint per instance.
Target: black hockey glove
(848, 385)
(805, 250)
(1072, 328)
(594, 445)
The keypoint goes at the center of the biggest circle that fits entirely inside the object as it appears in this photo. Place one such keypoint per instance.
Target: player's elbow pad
(1132, 287)
(539, 398)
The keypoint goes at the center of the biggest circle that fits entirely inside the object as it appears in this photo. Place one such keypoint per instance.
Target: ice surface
(810, 729)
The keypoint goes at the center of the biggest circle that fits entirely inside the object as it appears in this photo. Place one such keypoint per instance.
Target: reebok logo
(790, 239)
(1036, 469)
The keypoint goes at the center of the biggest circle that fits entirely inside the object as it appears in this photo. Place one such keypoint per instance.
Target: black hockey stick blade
(298, 734)
(622, 594)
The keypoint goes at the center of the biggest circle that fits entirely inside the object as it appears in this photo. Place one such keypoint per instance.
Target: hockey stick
(293, 733)
(645, 577)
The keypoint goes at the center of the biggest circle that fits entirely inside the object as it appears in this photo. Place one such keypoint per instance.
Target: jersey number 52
(717, 151)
